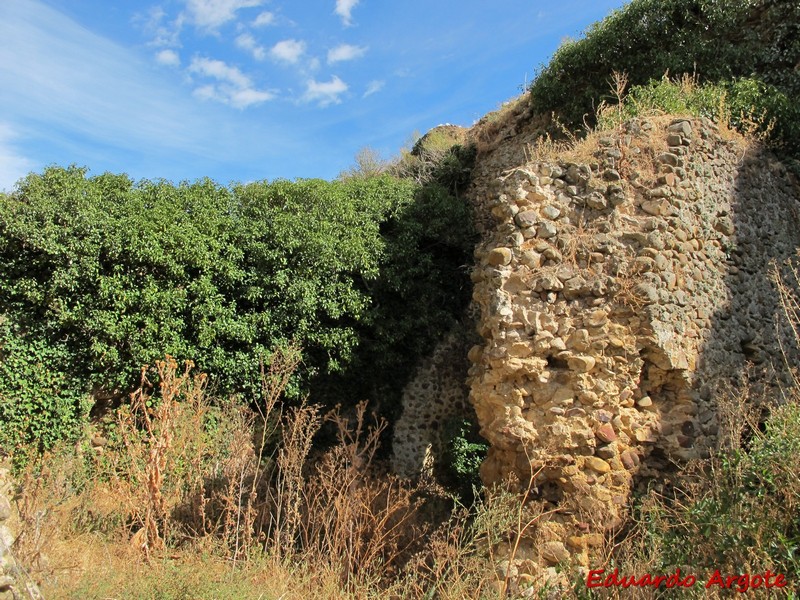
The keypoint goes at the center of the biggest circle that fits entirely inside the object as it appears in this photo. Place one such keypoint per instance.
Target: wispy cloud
(210, 14)
(73, 96)
(219, 70)
(233, 87)
(344, 8)
(249, 96)
(168, 58)
(325, 93)
(247, 42)
(344, 52)
(161, 31)
(373, 87)
(13, 166)
(264, 19)
(57, 73)
(288, 51)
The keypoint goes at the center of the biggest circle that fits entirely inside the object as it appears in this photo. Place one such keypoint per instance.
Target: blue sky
(241, 90)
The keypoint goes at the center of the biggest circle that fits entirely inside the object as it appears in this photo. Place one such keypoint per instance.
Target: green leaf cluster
(104, 275)
(40, 401)
(718, 41)
(465, 451)
(746, 103)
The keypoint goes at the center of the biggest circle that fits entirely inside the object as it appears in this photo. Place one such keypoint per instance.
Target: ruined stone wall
(620, 292)
(436, 394)
(15, 582)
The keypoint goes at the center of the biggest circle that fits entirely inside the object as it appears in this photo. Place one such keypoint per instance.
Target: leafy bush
(127, 272)
(40, 403)
(738, 513)
(423, 285)
(718, 41)
(110, 275)
(464, 452)
(684, 96)
(747, 104)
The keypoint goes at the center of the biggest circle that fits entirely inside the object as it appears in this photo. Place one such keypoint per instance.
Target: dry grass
(546, 149)
(627, 283)
(580, 243)
(497, 126)
(191, 498)
(786, 279)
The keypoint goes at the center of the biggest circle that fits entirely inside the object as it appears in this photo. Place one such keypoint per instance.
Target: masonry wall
(15, 582)
(620, 295)
(436, 394)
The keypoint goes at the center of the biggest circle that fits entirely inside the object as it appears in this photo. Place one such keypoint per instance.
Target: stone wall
(436, 394)
(15, 584)
(620, 292)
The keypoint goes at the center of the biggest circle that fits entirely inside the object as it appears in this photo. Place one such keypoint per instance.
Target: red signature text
(740, 583)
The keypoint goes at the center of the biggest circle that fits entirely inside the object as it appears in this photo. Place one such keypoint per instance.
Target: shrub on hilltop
(722, 42)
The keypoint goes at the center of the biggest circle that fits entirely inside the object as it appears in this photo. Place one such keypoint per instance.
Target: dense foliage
(40, 400)
(719, 41)
(740, 515)
(100, 275)
(745, 104)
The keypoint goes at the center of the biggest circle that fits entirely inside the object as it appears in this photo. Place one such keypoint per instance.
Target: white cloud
(210, 14)
(239, 98)
(63, 81)
(13, 166)
(233, 87)
(162, 32)
(208, 92)
(264, 19)
(373, 87)
(288, 51)
(344, 9)
(219, 70)
(325, 93)
(249, 96)
(168, 58)
(247, 42)
(73, 96)
(345, 52)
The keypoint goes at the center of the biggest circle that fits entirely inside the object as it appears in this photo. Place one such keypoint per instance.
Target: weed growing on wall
(464, 452)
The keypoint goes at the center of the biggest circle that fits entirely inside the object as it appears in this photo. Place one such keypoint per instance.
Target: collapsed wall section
(618, 295)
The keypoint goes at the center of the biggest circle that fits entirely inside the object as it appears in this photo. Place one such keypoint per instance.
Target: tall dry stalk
(788, 284)
(148, 433)
(300, 426)
(355, 519)
(246, 481)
